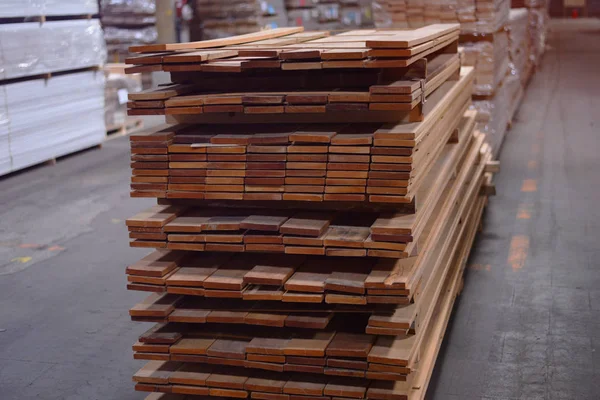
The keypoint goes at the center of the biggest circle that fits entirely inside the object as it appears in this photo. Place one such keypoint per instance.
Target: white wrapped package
(490, 56)
(31, 48)
(538, 30)
(495, 112)
(518, 37)
(51, 118)
(514, 93)
(35, 8)
(492, 116)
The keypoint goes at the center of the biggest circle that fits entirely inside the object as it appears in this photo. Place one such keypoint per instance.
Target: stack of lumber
(127, 23)
(499, 95)
(329, 14)
(355, 225)
(304, 75)
(489, 55)
(313, 14)
(474, 16)
(493, 41)
(383, 160)
(43, 61)
(219, 19)
(539, 19)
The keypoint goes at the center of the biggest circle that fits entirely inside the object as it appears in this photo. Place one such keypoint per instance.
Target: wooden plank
(268, 346)
(191, 374)
(406, 39)
(310, 278)
(250, 37)
(156, 216)
(350, 345)
(346, 236)
(196, 346)
(263, 222)
(159, 263)
(347, 279)
(197, 270)
(157, 304)
(228, 348)
(231, 275)
(304, 386)
(306, 224)
(313, 345)
(157, 372)
(274, 270)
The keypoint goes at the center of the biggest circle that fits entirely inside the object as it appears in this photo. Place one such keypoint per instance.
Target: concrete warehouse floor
(526, 326)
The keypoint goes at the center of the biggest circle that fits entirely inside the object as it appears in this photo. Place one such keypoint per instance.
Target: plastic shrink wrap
(489, 55)
(538, 31)
(116, 89)
(223, 18)
(519, 42)
(31, 48)
(66, 116)
(35, 8)
(127, 23)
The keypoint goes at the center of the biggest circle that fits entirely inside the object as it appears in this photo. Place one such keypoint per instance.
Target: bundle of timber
(381, 160)
(489, 55)
(346, 210)
(329, 14)
(474, 16)
(501, 79)
(483, 38)
(218, 18)
(127, 23)
(539, 19)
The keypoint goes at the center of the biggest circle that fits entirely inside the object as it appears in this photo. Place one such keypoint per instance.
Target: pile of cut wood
(347, 169)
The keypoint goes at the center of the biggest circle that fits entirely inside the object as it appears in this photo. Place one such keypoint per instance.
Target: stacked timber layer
(355, 222)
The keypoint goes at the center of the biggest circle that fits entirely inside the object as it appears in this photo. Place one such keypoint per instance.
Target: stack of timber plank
(127, 23)
(217, 19)
(357, 223)
(493, 40)
(504, 63)
(329, 14)
(474, 16)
